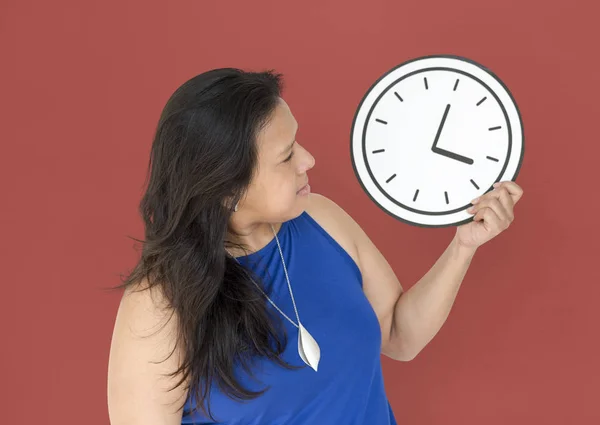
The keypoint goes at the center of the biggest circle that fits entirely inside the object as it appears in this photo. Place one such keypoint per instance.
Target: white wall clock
(432, 134)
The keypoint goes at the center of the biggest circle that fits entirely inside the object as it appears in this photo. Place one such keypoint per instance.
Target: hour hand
(452, 155)
(444, 152)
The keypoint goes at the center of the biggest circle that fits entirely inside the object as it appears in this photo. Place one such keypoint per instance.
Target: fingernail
(496, 184)
(470, 210)
(475, 200)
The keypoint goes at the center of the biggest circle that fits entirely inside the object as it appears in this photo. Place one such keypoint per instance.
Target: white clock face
(432, 134)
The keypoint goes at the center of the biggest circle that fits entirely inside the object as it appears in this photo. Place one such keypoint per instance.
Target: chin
(299, 205)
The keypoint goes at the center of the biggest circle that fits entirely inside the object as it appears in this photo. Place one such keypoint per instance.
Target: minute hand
(444, 152)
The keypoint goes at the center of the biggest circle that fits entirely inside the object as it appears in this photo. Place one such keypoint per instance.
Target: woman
(255, 301)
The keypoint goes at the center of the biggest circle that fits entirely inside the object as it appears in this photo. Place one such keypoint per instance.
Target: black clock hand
(453, 155)
(437, 136)
(444, 152)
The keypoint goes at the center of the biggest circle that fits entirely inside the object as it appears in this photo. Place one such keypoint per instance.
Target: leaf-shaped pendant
(308, 348)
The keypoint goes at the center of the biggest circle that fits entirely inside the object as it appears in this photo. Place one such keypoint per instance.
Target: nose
(308, 161)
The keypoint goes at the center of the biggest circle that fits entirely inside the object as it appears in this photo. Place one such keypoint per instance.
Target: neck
(252, 235)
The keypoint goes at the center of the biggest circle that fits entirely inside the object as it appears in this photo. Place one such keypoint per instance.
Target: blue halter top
(348, 388)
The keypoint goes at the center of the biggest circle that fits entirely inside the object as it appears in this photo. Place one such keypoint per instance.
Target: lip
(303, 187)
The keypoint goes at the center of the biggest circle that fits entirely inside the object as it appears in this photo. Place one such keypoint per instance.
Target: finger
(490, 219)
(507, 203)
(495, 205)
(502, 194)
(515, 191)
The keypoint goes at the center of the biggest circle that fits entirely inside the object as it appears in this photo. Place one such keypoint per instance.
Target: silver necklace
(308, 349)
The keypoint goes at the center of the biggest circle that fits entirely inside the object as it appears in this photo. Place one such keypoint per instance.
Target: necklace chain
(287, 278)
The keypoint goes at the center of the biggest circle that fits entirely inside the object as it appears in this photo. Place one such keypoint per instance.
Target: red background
(83, 83)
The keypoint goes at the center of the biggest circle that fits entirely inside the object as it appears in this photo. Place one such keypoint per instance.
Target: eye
(291, 153)
(289, 157)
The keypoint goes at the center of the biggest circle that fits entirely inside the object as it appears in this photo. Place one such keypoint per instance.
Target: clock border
(367, 123)
(366, 95)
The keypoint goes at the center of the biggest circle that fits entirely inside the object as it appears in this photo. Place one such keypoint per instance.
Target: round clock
(432, 134)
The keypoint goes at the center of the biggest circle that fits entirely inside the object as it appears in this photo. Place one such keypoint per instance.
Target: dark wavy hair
(203, 157)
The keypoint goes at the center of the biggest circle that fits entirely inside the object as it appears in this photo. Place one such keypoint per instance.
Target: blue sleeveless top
(348, 387)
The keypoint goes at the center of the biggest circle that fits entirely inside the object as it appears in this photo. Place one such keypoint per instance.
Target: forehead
(280, 131)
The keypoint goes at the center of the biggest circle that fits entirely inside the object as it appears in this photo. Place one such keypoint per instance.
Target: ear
(230, 204)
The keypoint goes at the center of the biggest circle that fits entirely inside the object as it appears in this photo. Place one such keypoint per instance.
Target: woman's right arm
(144, 333)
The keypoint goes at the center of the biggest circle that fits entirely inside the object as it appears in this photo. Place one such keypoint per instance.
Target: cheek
(286, 180)
(276, 192)
(276, 182)
(283, 192)
(286, 189)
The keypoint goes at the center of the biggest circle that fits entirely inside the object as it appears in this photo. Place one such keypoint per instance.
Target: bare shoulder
(143, 353)
(337, 222)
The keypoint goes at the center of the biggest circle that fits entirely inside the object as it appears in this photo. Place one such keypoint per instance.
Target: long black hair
(203, 157)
